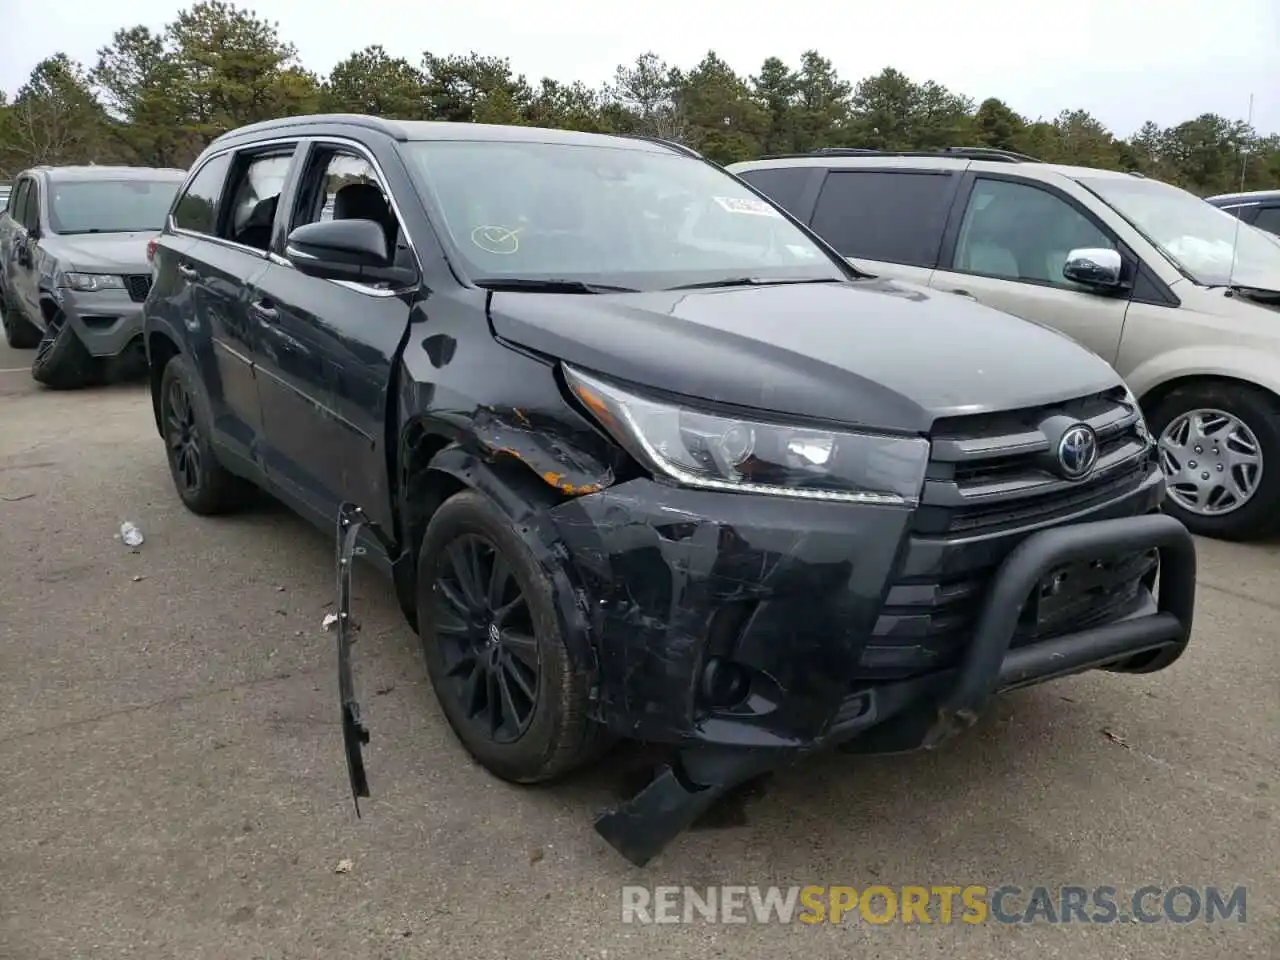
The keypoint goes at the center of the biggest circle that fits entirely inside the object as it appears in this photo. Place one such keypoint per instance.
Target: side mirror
(1093, 267)
(353, 250)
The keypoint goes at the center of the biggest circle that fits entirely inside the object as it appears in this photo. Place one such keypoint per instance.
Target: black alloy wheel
(204, 485)
(182, 435)
(484, 628)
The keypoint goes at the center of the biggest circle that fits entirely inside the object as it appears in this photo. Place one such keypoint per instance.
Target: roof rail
(673, 144)
(367, 121)
(991, 153)
(970, 153)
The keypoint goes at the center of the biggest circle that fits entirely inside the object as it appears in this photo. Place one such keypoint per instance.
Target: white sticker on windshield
(747, 205)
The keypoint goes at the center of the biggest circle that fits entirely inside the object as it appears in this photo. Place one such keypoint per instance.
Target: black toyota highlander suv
(643, 456)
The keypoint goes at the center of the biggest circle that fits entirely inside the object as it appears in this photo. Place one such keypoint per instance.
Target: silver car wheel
(1212, 462)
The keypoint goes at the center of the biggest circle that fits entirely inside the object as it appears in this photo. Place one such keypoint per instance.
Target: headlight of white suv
(92, 282)
(718, 452)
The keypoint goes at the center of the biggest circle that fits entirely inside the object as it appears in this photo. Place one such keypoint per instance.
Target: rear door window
(197, 210)
(1268, 219)
(258, 182)
(892, 216)
(785, 186)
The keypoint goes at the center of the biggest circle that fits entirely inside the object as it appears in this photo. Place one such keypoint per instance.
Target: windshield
(110, 206)
(617, 216)
(1197, 236)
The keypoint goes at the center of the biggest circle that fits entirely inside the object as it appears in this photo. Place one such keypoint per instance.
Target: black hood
(874, 353)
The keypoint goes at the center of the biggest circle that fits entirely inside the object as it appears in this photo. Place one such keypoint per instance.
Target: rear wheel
(204, 485)
(1219, 446)
(494, 649)
(62, 361)
(19, 332)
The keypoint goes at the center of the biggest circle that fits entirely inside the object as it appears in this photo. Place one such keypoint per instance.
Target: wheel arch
(1155, 395)
(48, 306)
(161, 348)
(1228, 365)
(434, 466)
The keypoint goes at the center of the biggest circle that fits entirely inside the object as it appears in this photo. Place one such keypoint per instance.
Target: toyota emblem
(1077, 451)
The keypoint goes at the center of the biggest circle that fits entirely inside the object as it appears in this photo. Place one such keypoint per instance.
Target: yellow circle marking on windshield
(502, 241)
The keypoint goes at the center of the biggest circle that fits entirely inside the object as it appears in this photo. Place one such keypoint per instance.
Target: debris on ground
(329, 620)
(130, 534)
(1115, 738)
(138, 578)
(344, 866)
(536, 854)
(22, 496)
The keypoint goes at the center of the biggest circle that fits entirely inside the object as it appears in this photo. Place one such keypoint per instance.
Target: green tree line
(157, 98)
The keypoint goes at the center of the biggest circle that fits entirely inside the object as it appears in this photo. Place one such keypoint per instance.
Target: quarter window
(1019, 232)
(197, 210)
(886, 215)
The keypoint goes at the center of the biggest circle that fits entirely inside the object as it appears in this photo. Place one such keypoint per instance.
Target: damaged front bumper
(747, 631)
(353, 524)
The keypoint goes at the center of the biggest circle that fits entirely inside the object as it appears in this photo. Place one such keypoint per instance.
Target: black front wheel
(62, 361)
(494, 648)
(204, 485)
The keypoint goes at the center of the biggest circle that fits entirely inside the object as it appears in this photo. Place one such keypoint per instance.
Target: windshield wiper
(532, 285)
(754, 282)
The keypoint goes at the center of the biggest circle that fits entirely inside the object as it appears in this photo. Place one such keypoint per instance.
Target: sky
(1125, 61)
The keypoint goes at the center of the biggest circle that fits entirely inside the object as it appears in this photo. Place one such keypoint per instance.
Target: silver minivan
(1180, 297)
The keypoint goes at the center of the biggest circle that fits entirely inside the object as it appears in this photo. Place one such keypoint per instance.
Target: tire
(19, 332)
(557, 734)
(1215, 405)
(204, 485)
(62, 361)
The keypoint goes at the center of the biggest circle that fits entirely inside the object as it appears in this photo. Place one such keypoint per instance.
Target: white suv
(1180, 297)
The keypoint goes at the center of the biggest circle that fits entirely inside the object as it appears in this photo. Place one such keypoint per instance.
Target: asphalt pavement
(172, 782)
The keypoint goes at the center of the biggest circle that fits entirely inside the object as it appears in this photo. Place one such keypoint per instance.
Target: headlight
(717, 452)
(92, 282)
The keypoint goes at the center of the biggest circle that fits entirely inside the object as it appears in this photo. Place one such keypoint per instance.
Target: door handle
(264, 311)
(190, 272)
